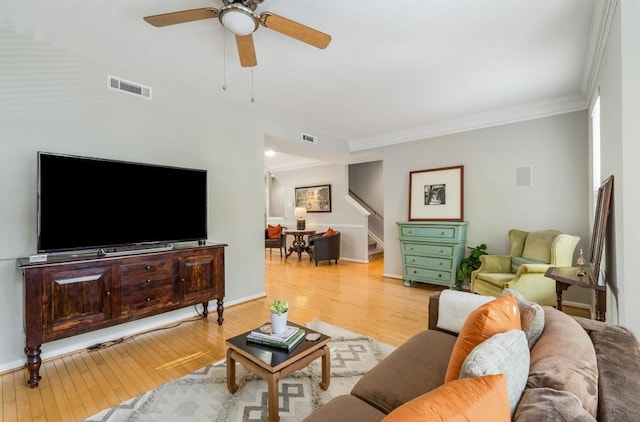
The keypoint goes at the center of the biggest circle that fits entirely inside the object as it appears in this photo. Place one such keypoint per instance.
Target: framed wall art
(436, 194)
(314, 198)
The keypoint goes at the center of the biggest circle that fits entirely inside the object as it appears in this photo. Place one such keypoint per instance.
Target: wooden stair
(375, 251)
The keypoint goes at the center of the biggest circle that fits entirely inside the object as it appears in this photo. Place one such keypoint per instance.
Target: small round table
(298, 245)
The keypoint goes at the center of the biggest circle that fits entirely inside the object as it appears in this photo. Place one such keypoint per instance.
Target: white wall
(54, 100)
(619, 84)
(366, 180)
(343, 216)
(556, 149)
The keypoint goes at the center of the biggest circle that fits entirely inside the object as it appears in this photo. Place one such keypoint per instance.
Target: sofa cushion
(517, 260)
(505, 353)
(531, 317)
(564, 359)
(547, 404)
(618, 354)
(414, 368)
(273, 232)
(494, 317)
(345, 408)
(469, 399)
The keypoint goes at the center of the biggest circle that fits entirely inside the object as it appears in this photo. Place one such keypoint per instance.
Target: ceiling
(395, 71)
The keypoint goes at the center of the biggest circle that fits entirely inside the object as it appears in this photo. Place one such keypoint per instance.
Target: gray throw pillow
(517, 260)
(505, 353)
(531, 316)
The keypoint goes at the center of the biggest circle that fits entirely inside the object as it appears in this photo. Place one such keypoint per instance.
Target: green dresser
(431, 251)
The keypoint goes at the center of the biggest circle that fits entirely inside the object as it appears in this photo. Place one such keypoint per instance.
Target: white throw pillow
(505, 353)
(455, 306)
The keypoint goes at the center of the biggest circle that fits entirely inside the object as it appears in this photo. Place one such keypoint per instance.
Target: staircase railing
(376, 220)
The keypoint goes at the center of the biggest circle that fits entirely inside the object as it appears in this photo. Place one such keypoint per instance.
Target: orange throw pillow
(273, 231)
(493, 317)
(329, 232)
(467, 399)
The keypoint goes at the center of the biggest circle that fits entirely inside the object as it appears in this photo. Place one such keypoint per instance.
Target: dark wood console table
(298, 245)
(567, 276)
(66, 296)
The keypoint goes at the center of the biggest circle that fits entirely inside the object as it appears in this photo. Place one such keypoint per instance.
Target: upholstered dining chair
(532, 253)
(274, 237)
(324, 246)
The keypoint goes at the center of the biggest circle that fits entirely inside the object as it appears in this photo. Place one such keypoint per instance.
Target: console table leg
(220, 310)
(33, 365)
(205, 309)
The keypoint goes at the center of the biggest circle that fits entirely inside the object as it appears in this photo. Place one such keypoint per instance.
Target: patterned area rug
(203, 395)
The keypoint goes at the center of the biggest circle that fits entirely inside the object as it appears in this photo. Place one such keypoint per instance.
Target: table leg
(273, 400)
(601, 305)
(231, 372)
(326, 368)
(560, 288)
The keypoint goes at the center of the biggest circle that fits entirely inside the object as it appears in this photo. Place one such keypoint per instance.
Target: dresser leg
(33, 365)
(220, 310)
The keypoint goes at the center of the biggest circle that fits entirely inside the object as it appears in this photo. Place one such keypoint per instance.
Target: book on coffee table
(292, 342)
(266, 333)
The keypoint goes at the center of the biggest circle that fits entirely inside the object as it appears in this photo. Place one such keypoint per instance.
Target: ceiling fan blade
(182, 17)
(246, 50)
(295, 30)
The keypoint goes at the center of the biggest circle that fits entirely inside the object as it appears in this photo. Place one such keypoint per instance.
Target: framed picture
(436, 194)
(314, 198)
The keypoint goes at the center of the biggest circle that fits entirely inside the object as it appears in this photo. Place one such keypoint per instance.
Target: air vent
(128, 87)
(309, 138)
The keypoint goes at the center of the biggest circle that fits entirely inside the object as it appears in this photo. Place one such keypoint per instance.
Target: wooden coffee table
(272, 363)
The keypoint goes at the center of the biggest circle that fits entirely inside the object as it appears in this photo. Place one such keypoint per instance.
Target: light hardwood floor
(351, 295)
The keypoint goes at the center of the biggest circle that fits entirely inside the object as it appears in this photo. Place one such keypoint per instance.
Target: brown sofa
(558, 369)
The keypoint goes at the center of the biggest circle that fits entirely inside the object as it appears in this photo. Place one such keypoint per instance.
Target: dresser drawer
(432, 232)
(136, 284)
(429, 262)
(139, 302)
(427, 249)
(146, 267)
(428, 274)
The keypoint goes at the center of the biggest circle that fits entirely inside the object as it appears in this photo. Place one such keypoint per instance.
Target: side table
(567, 276)
(273, 364)
(299, 245)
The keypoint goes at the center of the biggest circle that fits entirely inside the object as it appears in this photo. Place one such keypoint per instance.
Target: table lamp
(300, 212)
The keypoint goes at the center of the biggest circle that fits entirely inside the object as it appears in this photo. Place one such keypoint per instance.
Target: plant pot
(278, 322)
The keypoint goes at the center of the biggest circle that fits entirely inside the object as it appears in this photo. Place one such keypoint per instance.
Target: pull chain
(224, 60)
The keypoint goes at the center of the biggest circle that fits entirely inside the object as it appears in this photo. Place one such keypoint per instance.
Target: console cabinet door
(75, 300)
(202, 277)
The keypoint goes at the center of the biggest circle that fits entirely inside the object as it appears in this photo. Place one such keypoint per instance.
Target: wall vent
(128, 87)
(309, 138)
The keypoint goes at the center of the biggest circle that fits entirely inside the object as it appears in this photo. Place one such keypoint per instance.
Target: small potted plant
(279, 309)
(470, 263)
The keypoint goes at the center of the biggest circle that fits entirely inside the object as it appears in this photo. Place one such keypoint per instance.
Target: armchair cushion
(273, 232)
(538, 245)
(329, 232)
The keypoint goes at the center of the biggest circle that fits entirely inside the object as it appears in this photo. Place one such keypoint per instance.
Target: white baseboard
(359, 261)
(400, 277)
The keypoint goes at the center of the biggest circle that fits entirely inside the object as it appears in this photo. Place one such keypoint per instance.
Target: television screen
(90, 203)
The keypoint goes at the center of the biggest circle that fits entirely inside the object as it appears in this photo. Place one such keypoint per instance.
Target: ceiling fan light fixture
(238, 19)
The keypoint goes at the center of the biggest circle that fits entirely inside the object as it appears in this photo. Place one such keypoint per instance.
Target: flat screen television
(90, 203)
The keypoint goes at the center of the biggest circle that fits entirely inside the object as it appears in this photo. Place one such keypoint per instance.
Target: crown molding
(601, 20)
(474, 122)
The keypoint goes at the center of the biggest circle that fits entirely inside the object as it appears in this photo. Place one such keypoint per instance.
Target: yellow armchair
(531, 254)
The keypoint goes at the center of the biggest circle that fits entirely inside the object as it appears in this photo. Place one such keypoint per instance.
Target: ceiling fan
(239, 17)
